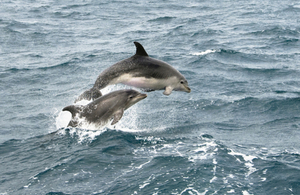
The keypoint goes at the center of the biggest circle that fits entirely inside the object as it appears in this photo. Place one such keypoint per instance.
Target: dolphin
(139, 71)
(103, 109)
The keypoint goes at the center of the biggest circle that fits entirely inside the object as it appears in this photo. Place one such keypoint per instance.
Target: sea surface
(237, 132)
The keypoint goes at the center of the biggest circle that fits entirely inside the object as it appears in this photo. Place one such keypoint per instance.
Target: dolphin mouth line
(142, 96)
(188, 89)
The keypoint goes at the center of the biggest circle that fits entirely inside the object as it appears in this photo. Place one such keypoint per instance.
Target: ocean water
(237, 132)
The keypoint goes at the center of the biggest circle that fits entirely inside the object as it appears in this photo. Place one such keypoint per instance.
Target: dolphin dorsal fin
(140, 49)
(73, 109)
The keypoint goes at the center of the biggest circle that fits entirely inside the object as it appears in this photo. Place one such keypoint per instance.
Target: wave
(269, 103)
(165, 19)
(186, 158)
(67, 7)
(277, 36)
(68, 14)
(207, 33)
(265, 65)
(277, 31)
(18, 31)
(39, 9)
(14, 24)
(68, 64)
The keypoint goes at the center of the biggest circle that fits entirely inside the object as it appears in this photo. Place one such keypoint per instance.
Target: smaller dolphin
(140, 71)
(103, 109)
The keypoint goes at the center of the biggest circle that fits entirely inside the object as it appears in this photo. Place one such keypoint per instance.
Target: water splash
(63, 118)
(89, 131)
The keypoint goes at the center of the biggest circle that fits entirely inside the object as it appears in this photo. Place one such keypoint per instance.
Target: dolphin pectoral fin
(168, 90)
(117, 116)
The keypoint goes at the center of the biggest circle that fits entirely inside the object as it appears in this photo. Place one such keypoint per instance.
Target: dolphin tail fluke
(73, 109)
(90, 94)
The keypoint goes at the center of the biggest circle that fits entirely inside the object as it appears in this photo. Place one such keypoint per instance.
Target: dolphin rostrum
(140, 71)
(103, 109)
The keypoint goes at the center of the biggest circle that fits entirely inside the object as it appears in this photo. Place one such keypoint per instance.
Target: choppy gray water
(237, 132)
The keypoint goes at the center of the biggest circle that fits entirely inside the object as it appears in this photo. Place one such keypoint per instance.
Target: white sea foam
(140, 166)
(203, 52)
(191, 190)
(245, 192)
(214, 171)
(86, 135)
(147, 181)
(143, 185)
(296, 6)
(248, 158)
(213, 179)
(203, 151)
(245, 157)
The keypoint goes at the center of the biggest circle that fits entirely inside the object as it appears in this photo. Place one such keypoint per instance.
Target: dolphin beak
(188, 90)
(142, 96)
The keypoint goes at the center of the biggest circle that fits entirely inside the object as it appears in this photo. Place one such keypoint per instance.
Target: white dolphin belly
(143, 82)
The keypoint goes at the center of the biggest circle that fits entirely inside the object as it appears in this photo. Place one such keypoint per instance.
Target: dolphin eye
(130, 97)
(181, 82)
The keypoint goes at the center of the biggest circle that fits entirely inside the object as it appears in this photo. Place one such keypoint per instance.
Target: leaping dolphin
(102, 110)
(140, 71)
